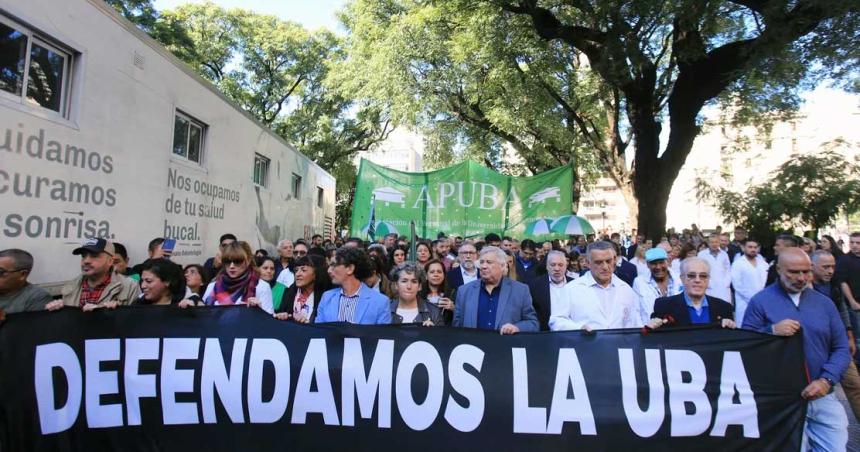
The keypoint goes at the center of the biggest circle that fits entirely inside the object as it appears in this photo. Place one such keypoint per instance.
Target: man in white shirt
(546, 290)
(658, 283)
(467, 271)
(749, 275)
(598, 299)
(721, 269)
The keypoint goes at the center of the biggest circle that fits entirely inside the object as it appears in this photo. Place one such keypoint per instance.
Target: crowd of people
(509, 286)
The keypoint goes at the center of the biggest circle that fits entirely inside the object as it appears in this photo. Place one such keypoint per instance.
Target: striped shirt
(346, 307)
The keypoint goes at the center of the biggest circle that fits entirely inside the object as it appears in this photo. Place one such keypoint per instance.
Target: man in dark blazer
(624, 270)
(692, 307)
(544, 288)
(467, 271)
(495, 302)
(526, 261)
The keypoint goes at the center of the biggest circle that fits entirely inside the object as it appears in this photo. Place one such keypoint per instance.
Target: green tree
(565, 78)
(806, 192)
(477, 89)
(278, 71)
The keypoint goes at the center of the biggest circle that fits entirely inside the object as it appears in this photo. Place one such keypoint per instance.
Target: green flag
(465, 199)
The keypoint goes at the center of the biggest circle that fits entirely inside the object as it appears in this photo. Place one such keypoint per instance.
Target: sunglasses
(300, 253)
(237, 262)
(697, 276)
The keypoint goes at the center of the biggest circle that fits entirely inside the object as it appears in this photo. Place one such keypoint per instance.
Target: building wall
(403, 150)
(125, 92)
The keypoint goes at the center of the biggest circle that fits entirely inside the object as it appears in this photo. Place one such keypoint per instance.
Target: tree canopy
(806, 192)
(279, 72)
(588, 81)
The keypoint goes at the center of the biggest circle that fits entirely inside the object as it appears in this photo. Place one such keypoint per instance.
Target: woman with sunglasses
(238, 281)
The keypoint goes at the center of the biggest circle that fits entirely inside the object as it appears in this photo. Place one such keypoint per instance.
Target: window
(33, 71)
(188, 136)
(297, 186)
(261, 170)
(320, 197)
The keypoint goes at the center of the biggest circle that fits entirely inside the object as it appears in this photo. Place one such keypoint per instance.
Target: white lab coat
(579, 307)
(721, 275)
(747, 280)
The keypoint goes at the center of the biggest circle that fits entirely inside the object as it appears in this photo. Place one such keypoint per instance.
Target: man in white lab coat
(749, 274)
(598, 299)
(721, 269)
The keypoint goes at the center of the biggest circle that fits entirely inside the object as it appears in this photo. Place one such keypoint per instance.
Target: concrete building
(403, 150)
(736, 158)
(105, 133)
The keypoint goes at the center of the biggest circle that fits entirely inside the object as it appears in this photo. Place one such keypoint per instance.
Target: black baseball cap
(96, 245)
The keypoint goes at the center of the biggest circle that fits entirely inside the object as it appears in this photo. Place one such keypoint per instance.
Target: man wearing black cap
(97, 286)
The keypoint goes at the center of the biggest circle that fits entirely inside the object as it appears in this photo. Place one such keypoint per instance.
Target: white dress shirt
(584, 302)
(467, 277)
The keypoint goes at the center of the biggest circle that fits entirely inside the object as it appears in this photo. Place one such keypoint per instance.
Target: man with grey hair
(16, 294)
(823, 269)
(721, 268)
(467, 271)
(283, 272)
(597, 300)
(495, 302)
(692, 307)
(548, 289)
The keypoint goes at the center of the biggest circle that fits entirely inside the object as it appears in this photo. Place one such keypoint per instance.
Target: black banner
(225, 379)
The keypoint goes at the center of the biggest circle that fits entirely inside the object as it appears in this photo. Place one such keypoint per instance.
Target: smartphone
(168, 246)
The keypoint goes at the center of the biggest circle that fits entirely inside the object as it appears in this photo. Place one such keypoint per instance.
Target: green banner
(462, 200)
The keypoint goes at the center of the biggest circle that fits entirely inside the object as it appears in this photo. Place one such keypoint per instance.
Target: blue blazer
(676, 307)
(627, 272)
(515, 306)
(372, 307)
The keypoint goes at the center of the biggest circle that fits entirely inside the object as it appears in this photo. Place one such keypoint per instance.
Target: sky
(312, 14)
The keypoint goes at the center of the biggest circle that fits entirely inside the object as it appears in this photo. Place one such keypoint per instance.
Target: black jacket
(426, 311)
(626, 271)
(454, 278)
(525, 275)
(289, 299)
(676, 307)
(539, 289)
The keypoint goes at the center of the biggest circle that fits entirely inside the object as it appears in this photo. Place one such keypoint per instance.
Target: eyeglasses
(4, 272)
(228, 262)
(697, 276)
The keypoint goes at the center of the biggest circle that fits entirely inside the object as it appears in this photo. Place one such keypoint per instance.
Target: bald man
(789, 306)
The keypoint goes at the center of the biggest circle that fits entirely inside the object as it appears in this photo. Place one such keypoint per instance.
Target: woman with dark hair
(423, 253)
(299, 302)
(828, 243)
(266, 266)
(161, 282)
(409, 306)
(397, 256)
(435, 290)
(196, 280)
(377, 280)
(238, 281)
